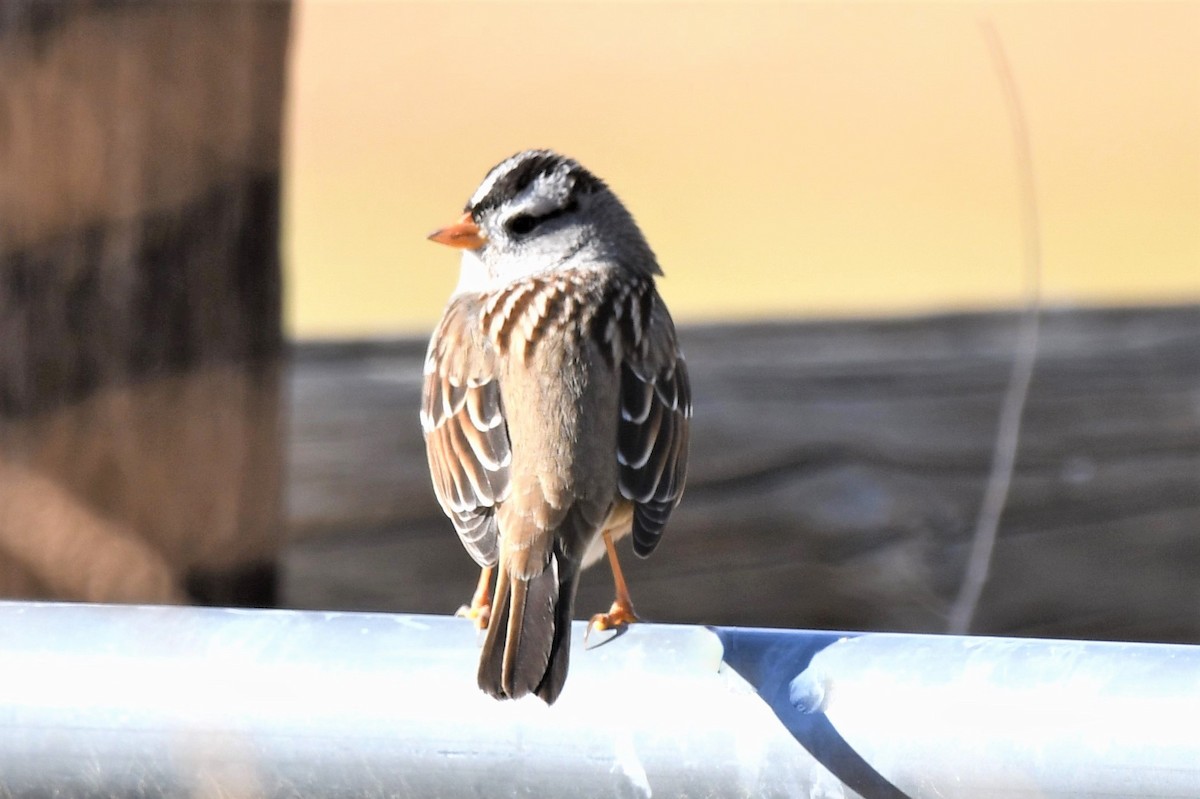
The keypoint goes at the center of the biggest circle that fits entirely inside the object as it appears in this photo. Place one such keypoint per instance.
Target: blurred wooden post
(140, 331)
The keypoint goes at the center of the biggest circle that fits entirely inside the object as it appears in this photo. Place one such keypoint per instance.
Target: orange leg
(621, 612)
(480, 609)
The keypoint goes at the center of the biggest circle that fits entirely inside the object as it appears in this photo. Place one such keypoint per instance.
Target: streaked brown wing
(652, 437)
(466, 438)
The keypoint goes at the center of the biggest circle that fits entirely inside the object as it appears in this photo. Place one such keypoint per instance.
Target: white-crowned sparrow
(555, 406)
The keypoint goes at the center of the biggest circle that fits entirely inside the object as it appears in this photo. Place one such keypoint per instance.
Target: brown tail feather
(529, 638)
(560, 650)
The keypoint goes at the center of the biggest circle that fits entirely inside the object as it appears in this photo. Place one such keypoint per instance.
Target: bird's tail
(529, 638)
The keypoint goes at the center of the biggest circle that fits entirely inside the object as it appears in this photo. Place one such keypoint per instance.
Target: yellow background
(783, 159)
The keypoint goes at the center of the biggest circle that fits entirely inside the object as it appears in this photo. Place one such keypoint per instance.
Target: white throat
(472, 274)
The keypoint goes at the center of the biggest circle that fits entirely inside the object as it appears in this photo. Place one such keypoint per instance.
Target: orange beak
(463, 234)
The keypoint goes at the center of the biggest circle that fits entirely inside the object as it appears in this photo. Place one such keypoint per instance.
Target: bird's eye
(521, 224)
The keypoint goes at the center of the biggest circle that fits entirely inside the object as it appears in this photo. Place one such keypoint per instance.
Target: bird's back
(561, 405)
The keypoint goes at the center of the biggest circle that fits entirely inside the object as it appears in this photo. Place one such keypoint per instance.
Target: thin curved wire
(1008, 431)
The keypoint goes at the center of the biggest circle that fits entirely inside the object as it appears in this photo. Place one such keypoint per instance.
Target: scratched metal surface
(126, 701)
(107, 701)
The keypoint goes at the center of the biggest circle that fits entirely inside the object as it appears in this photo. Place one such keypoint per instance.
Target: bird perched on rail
(555, 407)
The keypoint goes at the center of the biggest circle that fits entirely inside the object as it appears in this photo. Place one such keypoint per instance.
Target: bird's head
(539, 211)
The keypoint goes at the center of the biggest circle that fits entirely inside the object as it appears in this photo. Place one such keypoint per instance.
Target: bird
(555, 408)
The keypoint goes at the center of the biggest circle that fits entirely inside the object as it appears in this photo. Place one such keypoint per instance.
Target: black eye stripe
(522, 224)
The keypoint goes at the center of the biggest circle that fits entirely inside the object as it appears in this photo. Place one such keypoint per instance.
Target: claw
(619, 615)
(480, 614)
(480, 609)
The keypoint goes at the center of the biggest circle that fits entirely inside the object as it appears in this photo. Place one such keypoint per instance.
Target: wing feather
(635, 439)
(652, 433)
(636, 394)
(466, 439)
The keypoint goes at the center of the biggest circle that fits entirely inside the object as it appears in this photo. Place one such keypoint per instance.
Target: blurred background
(784, 159)
(215, 293)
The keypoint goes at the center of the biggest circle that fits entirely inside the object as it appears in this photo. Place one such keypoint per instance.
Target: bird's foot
(480, 608)
(478, 612)
(618, 616)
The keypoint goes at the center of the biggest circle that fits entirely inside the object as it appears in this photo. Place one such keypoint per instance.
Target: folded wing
(652, 436)
(466, 438)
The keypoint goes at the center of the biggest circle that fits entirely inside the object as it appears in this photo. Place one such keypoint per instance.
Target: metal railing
(120, 701)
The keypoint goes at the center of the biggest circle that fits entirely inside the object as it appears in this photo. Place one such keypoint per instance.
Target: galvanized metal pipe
(154, 701)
